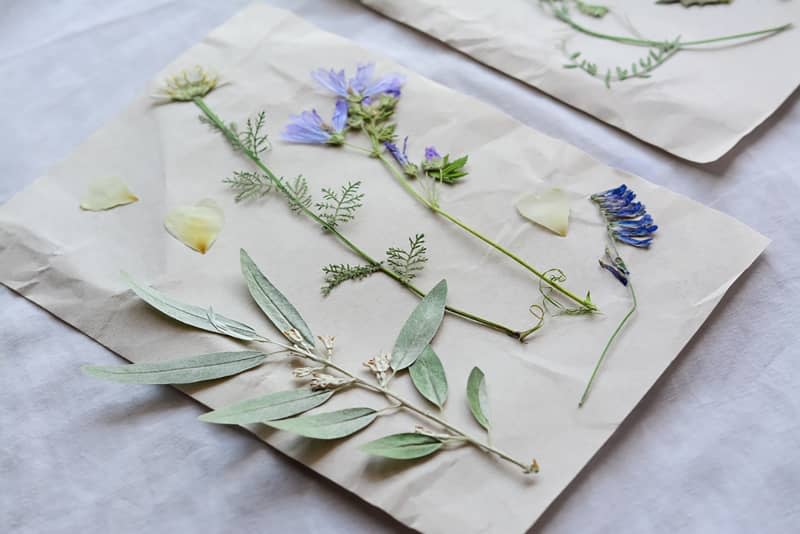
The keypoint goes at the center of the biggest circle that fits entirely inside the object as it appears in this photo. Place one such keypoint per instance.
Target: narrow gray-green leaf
(269, 407)
(476, 395)
(429, 377)
(420, 327)
(272, 302)
(183, 371)
(405, 446)
(191, 315)
(329, 425)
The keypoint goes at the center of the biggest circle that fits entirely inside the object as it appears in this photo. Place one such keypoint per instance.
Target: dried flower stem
(433, 206)
(614, 335)
(402, 403)
(279, 184)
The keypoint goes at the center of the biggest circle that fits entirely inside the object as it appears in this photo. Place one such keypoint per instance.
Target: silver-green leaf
(429, 377)
(406, 446)
(182, 371)
(329, 425)
(272, 302)
(202, 318)
(476, 395)
(420, 327)
(269, 407)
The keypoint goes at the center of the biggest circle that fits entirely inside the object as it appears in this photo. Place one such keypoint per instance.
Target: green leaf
(429, 377)
(183, 371)
(476, 395)
(202, 318)
(269, 407)
(420, 327)
(405, 446)
(272, 302)
(330, 425)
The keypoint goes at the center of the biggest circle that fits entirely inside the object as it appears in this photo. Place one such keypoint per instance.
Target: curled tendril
(550, 297)
(538, 312)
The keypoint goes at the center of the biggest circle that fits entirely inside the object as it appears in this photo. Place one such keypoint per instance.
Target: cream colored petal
(196, 226)
(106, 193)
(548, 208)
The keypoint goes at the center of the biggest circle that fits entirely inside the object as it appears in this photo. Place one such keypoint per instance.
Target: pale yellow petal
(548, 208)
(106, 193)
(196, 226)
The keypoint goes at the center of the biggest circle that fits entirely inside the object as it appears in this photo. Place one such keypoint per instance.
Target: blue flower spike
(627, 220)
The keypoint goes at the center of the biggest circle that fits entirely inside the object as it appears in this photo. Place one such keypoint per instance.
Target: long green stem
(305, 352)
(608, 345)
(652, 43)
(401, 179)
(278, 183)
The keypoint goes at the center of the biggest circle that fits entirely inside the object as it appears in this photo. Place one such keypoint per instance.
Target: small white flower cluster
(380, 365)
(320, 380)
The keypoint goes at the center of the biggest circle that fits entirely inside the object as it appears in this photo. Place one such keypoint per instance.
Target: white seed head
(302, 372)
(293, 335)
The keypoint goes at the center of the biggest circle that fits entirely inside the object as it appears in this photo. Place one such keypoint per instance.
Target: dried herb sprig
(370, 106)
(660, 50)
(322, 376)
(255, 184)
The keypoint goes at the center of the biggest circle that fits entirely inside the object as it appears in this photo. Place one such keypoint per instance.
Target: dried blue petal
(308, 127)
(618, 274)
(362, 86)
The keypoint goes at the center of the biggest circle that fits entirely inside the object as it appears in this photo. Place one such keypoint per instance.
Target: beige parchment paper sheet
(697, 106)
(68, 261)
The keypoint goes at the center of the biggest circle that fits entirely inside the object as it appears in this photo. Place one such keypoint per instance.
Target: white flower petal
(196, 226)
(548, 208)
(105, 193)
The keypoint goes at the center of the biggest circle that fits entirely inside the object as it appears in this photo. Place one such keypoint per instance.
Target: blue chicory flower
(627, 220)
(362, 86)
(308, 127)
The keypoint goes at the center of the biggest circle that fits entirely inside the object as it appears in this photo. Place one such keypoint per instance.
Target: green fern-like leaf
(298, 197)
(336, 274)
(408, 263)
(253, 139)
(248, 185)
(337, 208)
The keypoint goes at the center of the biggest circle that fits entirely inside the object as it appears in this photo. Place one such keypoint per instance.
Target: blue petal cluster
(627, 219)
(308, 127)
(362, 85)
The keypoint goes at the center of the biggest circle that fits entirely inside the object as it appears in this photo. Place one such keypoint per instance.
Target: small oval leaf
(476, 395)
(268, 407)
(429, 377)
(330, 425)
(272, 302)
(191, 315)
(420, 327)
(183, 371)
(406, 446)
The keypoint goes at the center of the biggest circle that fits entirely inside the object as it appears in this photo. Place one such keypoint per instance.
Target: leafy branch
(298, 198)
(323, 377)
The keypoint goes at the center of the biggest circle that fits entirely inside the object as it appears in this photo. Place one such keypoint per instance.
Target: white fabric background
(712, 448)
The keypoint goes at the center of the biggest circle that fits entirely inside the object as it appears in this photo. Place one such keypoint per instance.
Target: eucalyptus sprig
(367, 105)
(660, 49)
(321, 376)
(335, 209)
